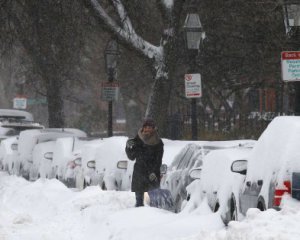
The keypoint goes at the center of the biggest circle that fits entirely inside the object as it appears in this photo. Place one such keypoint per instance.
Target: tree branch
(128, 34)
(125, 20)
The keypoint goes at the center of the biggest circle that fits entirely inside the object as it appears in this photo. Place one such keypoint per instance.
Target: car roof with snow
(13, 114)
(277, 149)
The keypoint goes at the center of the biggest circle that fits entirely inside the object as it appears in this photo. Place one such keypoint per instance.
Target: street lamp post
(111, 59)
(193, 36)
(291, 11)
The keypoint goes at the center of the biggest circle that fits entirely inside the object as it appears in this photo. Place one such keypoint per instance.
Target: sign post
(193, 91)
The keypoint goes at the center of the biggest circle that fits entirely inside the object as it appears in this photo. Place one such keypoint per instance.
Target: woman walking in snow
(147, 149)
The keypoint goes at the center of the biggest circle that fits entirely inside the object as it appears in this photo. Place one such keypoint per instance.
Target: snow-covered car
(107, 156)
(42, 160)
(67, 159)
(217, 183)
(177, 177)
(28, 139)
(191, 156)
(8, 151)
(87, 174)
(273, 167)
(12, 122)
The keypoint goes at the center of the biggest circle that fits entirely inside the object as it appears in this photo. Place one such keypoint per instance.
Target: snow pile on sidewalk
(46, 210)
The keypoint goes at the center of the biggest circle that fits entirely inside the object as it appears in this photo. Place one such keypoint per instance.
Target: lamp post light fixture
(193, 31)
(291, 11)
(111, 60)
(193, 38)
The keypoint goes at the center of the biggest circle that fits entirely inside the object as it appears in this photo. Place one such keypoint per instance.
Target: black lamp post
(291, 11)
(193, 36)
(111, 59)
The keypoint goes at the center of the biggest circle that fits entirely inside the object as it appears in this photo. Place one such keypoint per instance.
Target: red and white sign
(193, 85)
(290, 65)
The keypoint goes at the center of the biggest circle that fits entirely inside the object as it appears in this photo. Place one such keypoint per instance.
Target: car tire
(233, 210)
(261, 204)
(85, 184)
(103, 187)
(178, 203)
(217, 206)
(79, 182)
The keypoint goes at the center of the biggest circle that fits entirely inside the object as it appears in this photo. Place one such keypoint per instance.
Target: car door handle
(248, 184)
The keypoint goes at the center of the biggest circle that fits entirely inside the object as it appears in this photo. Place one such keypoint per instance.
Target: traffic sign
(20, 103)
(290, 65)
(110, 91)
(193, 85)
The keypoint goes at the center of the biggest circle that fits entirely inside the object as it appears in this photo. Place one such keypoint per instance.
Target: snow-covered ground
(46, 209)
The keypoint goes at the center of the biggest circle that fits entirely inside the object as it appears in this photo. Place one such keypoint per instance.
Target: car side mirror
(48, 155)
(91, 164)
(77, 161)
(239, 166)
(123, 164)
(14, 147)
(195, 173)
(163, 169)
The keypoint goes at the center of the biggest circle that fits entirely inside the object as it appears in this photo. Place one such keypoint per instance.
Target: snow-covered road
(47, 210)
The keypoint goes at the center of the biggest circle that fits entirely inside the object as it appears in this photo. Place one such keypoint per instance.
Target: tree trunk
(55, 102)
(158, 103)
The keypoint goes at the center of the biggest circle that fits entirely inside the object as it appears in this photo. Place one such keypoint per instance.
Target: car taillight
(280, 191)
(72, 164)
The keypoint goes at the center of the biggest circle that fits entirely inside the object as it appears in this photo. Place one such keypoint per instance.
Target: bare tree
(162, 55)
(50, 33)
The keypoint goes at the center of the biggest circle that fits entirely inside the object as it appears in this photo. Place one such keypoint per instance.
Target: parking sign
(20, 103)
(193, 85)
(290, 66)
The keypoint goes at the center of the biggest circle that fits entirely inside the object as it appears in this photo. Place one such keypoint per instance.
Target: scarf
(149, 140)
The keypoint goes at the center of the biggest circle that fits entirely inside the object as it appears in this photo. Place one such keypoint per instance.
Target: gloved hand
(152, 177)
(130, 143)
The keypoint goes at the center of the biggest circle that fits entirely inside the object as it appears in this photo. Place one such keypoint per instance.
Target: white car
(13, 121)
(42, 160)
(107, 156)
(67, 159)
(217, 183)
(273, 167)
(191, 156)
(27, 141)
(8, 152)
(87, 174)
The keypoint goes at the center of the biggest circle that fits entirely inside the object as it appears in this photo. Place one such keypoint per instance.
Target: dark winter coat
(148, 158)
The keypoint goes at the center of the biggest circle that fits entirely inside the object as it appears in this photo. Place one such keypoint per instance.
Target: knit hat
(149, 122)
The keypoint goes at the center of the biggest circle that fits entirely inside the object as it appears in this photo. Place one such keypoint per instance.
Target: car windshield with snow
(191, 156)
(216, 183)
